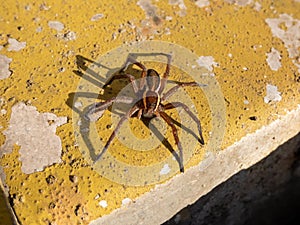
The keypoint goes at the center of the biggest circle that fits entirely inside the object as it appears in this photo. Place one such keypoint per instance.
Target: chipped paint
(68, 36)
(208, 62)
(103, 203)
(126, 201)
(273, 59)
(14, 45)
(273, 95)
(181, 5)
(4, 67)
(257, 6)
(46, 74)
(153, 21)
(288, 30)
(33, 131)
(202, 3)
(239, 2)
(165, 170)
(97, 17)
(56, 25)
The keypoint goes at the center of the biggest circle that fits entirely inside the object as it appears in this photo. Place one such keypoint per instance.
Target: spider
(148, 102)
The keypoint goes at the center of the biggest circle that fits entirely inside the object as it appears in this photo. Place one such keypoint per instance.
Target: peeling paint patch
(68, 36)
(34, 132)
(165, 170)
(207, 61)
(257, 6)
(273, 59)
(239, 2)
(181, 6)
(56, 25)
(126, 201)
(97, 17)
(103, 203)
(4, 67)
(273, 95)
(202, 3)
(147, 6)
(288, 30)
(153, 20)
(15, 45)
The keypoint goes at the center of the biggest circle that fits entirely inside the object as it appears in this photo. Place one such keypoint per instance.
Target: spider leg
(191, 114)
(175, 134)
(174, 89)
(114, 133)
(165, 75)
(121, 76)
(102, 106)
(131, 60)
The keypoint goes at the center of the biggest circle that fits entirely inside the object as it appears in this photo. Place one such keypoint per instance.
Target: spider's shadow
(93, 77)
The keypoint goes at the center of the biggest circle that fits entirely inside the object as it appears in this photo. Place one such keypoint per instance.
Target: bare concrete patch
(97, 17)
(34, 132)
(273, 59)
(288, 30)
(15, 45)
(202, 3)
(56, 25)
(207, 61)
(4, 67)
(273, 95)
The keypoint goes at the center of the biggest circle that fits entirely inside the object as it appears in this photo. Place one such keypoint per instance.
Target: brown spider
(148, 100)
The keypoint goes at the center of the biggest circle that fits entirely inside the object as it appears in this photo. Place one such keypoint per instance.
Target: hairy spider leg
(168, 120)
(101, 106)
(190, 113)
(121, 76)
(175, 88)
(129, 114)
(130, 61)
(165, 75)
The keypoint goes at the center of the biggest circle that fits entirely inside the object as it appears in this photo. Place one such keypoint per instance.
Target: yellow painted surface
(43, 76)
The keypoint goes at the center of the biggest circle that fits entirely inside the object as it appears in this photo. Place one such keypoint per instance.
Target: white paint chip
(165, 170)
(202, 3)
(257, 6)
(97, 17)
(34, 132)
(78, 104)
(56, 25)
(14, 45)
(207, 61)
(181, 6)
(239, 2)
(103, 203)
(126, 201)
(4, 67)
(273, 95)
(273, 59)
(288, 30)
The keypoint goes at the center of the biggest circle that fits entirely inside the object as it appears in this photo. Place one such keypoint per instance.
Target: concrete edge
(9, 210)
(160, 204)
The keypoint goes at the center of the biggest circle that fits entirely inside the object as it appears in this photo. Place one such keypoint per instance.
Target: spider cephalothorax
(148, 102)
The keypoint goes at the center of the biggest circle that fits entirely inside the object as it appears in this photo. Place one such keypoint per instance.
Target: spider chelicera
(148, 101)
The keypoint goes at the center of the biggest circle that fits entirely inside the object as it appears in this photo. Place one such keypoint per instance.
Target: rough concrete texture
(249, 48)
(177, 193)
(265, 193)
